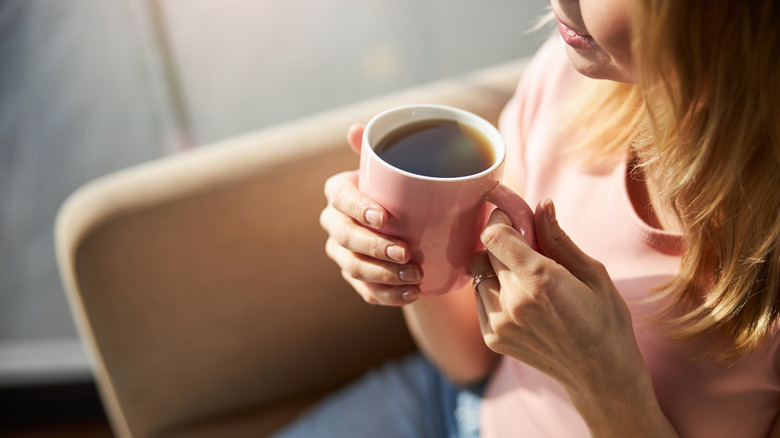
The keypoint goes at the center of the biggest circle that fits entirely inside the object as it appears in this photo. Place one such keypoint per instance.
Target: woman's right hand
(375, 264)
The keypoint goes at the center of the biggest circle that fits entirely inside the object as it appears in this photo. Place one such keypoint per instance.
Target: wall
(88, 87)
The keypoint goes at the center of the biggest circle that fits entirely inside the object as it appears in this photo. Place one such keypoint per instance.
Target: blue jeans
(402, 399)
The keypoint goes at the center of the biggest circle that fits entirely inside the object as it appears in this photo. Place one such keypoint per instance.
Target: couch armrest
(200, 285)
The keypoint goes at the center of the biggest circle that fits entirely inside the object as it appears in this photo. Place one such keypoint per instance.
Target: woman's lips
(575, 39)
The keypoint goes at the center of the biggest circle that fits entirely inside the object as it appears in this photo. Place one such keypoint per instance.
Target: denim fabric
(402, 399)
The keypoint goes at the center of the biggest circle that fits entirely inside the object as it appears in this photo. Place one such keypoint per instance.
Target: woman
(656, 312)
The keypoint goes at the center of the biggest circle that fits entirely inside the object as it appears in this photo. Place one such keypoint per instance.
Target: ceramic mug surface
(439, 217)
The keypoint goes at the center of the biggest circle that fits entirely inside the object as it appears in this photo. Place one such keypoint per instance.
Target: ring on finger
(482, 277)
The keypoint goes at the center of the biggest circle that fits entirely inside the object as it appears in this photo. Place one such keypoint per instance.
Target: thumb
(355, 137)
(557, 245)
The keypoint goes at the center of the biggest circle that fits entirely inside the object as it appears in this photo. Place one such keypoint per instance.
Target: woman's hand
(376, 265)
(558, 311)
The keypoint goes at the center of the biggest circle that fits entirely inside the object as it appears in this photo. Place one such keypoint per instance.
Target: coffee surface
(437, 148)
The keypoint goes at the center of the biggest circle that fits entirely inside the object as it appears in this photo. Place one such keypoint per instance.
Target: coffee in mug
(440, 148)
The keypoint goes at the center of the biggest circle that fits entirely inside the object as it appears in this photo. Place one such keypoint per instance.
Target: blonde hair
(704, 121)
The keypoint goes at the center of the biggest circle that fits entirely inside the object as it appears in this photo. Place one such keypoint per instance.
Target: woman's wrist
(625, 405)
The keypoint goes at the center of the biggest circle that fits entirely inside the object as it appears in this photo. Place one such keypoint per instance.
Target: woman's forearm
(627, 407)
(446, 329)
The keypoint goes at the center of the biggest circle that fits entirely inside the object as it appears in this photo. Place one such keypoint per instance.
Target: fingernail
(549, 209)
(374, 218)
(409, 295)
(409, 274)
(396, 253)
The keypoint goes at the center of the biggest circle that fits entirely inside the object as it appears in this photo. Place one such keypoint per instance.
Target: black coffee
(437, 148)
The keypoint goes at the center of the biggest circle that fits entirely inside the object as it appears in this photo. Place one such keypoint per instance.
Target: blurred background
(88, 87)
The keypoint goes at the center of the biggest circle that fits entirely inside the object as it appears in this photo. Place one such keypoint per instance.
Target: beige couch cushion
(200, 285)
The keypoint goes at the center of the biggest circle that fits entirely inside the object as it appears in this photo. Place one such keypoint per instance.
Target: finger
(480, 264)
(341, 191)
(521, 214)
(489, 309)
(355, 137)
(371, 292)
(383, 294)
(505, 242)
(558, 246)
(361, 240)
(372, 270)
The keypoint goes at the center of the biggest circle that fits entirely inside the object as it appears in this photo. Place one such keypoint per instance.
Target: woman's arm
(446, 328)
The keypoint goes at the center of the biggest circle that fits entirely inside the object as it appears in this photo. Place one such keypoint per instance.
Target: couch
(199, 283)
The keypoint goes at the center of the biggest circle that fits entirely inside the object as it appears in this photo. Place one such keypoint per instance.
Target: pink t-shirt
(701, 397)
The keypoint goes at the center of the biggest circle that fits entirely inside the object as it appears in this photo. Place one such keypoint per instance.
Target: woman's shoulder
(546, 80)
(544, 85)
(549, 71)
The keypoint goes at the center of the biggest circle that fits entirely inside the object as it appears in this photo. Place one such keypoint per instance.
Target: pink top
(702, 398)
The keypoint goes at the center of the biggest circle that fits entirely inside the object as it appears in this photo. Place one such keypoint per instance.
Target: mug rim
(439, 112)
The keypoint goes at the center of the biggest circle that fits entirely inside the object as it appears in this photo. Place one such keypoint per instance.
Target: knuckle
(330, 248)
(335, 184)
(385, 295)
(325, 216)
(386, 276)
(364, 291)
(343, 200)
(371, 299)
(339, 197)
(599, 267)
(378, 294)
(343, 196)
(353, 269)
(389, 297)
(543, 281)
(535, 267)
(493, 342)
(493, 234)
(376, 247)
(343, 236)
(331, 187)
(538, 278)
(357, 209)
(488, 236)
(600, 273)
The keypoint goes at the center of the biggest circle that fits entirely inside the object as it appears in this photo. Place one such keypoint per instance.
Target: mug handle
(518, 210)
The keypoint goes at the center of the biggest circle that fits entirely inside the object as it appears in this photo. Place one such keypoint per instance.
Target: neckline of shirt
(664, 240)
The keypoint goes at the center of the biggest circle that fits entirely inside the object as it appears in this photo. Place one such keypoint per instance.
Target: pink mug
(439, 218)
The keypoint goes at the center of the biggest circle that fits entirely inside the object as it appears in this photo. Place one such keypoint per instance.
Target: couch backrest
(199, 281)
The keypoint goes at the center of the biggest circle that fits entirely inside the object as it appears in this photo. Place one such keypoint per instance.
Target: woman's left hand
(557, 310)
